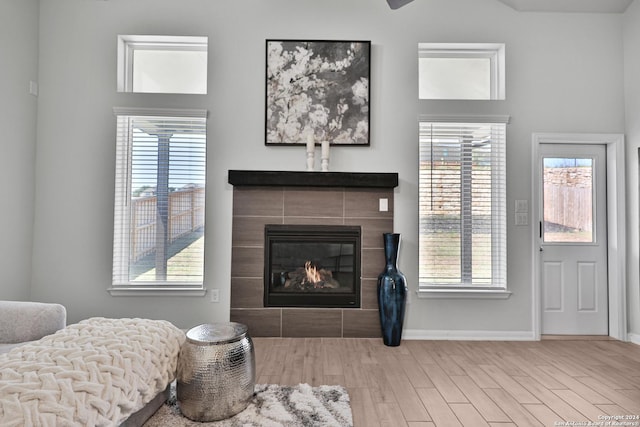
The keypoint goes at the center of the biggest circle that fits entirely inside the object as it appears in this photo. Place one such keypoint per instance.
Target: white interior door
(573, 239)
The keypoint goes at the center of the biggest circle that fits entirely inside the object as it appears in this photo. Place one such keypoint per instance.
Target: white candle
(311, 144)
(325, 149)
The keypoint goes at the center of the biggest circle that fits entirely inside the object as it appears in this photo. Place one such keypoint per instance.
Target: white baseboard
(634, 338)
(424, 334)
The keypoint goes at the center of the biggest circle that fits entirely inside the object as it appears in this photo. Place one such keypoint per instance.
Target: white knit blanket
(93, 373)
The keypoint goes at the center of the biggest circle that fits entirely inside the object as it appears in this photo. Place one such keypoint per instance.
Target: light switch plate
(33, 88)
(522, 218)
(522, 206)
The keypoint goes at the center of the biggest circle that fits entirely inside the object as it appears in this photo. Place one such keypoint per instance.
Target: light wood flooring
(465, 383)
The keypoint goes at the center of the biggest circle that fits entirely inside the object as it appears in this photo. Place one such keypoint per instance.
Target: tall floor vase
(392, 292)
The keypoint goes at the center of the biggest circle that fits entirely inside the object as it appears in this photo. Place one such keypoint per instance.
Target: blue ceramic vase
(392, 293)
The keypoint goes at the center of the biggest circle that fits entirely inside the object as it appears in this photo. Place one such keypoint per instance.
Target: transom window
(461, 71)
(162, 64)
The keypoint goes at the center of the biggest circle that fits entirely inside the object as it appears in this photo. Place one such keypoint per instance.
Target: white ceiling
(597, 6)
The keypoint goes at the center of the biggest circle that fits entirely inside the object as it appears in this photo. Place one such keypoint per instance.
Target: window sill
(147, 291)
(467, 293)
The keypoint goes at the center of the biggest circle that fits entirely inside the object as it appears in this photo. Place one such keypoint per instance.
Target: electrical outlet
(383, 205)
(214, 295)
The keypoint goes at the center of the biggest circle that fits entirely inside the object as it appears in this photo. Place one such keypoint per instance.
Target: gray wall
(564, 74)
(18, 66)
(632, 107)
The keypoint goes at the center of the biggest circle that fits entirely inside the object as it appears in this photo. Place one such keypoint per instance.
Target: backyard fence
(568, 207)
(186, 214)
(568, 197)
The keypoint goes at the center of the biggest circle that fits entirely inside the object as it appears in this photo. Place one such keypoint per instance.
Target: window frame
(499, 291)
(122, 215)
(128, 44)
(495, 52)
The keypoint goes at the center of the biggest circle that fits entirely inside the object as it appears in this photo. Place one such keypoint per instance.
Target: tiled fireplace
(315, 201)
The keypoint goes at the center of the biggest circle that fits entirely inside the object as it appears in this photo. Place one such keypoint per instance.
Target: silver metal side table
(216, 371)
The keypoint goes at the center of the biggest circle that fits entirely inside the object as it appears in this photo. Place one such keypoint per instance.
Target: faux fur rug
(273, 406)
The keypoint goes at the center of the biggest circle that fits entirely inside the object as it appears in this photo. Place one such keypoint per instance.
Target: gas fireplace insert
(312, 266)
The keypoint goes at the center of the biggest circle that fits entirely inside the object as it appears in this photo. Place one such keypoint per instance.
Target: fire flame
(312, 273)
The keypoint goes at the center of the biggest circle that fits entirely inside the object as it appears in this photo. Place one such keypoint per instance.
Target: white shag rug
(273, 406)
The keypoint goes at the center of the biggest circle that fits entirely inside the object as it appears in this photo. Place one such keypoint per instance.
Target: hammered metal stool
(216, 371)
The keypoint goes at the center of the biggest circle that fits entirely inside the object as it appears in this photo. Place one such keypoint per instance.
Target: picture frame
(317, 90)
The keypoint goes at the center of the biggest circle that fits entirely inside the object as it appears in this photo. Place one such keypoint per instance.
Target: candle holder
(310, 160)
(325, 156)
(311, 148)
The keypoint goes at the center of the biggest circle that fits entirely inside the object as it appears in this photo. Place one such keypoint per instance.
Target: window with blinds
(462, 205)
(159, 199)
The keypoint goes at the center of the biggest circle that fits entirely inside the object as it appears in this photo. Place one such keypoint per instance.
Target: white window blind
(462, 205)
(159, 200)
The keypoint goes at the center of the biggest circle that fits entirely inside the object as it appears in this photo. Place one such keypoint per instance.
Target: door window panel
(568, 200)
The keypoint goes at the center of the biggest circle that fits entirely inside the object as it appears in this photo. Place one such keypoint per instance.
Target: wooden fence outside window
(186, 215)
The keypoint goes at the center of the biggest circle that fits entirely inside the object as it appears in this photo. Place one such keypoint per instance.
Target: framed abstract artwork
(317, 90)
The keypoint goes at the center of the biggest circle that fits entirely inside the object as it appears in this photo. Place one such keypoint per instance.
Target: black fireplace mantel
(312, 179)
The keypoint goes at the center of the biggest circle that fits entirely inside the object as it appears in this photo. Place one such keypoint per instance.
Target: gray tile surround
(255, 206)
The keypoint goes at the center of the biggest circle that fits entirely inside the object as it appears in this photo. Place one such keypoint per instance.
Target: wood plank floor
(465, 383)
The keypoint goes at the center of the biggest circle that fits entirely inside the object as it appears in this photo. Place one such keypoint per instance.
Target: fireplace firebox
(312, 266)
